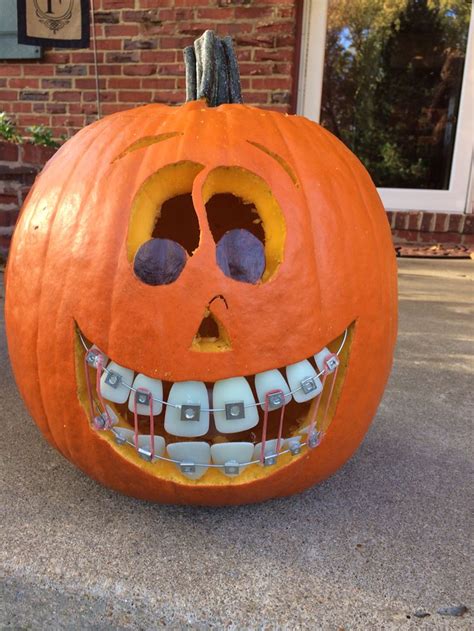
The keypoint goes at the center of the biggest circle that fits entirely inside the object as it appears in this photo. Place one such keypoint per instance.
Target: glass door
(393, 79)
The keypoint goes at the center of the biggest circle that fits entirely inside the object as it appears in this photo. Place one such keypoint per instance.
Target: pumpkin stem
(212, 71)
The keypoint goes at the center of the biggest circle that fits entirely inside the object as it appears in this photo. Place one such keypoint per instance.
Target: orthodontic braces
(234, 410)
(331, 364)
(232, 467)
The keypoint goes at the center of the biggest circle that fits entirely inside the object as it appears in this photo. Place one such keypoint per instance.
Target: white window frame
(310, 80)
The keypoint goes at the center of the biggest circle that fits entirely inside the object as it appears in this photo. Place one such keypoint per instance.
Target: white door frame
(310, 80)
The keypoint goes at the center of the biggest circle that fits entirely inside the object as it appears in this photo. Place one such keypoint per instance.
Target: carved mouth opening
(226, 432)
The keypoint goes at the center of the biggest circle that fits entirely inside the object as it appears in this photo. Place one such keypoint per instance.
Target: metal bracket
(187, 467)
(92, 357)
(144, 454)
(142, 398)
(331, 363)
(295, 447)
(313, 439)
(276, 400)
(190, 412)
(119, 439)
(269, 461)
(234, 411)
(232, 467)
(113, 379)
(309, 385)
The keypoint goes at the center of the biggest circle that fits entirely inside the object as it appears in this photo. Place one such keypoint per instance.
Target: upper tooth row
(194, 458)
(235, 408)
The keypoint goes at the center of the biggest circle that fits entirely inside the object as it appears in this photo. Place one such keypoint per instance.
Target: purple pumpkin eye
(241, 256)
(159, 261)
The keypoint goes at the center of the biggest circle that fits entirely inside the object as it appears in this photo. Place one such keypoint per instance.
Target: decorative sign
(58, 23)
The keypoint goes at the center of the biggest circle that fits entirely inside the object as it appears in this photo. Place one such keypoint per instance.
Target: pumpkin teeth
(234, 410)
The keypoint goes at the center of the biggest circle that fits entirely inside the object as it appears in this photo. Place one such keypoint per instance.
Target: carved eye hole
(159, 261)
(246, 222)
(241, 256)
(237, 229)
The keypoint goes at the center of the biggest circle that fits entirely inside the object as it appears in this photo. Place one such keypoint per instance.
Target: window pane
(392, 85)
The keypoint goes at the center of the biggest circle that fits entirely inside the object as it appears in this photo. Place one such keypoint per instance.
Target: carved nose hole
(211, 336)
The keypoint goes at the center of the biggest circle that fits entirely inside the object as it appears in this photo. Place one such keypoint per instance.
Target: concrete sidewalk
(384, 538)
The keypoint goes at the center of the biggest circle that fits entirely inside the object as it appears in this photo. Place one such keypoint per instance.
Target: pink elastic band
(314, 416)
(89, 389)
(152, 420)
(100, 368)
(265, 423)
(333, 381)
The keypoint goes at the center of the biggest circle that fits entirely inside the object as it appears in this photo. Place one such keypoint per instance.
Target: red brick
(151, 16)
(24, 83)
(401, 220)
(37, 69)
(467, 239)
(56, 83)
(456, 222)
(414, 220)
(170, 69)
(55, 57)
(11, 70)
(72, 69)
(109, 44)
(268, 83)
(141, 70)
(89, 84)
(8, 95)
(468, 224)
(123, 84)
(8, 152)
(118, 4)
(83, 57)
(441, 222)
(134, 96)
(158, 83)
(158, 56)
(35, 154)
(427, 222)
(70, 95)
(119, 30)
(216, 14)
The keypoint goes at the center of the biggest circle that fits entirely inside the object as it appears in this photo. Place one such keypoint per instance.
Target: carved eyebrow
(283, 163)
(146, 141)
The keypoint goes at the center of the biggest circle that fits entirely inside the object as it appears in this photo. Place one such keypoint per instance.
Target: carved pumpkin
(176, 275)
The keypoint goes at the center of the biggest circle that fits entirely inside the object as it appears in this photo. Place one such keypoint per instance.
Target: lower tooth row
(193, 458)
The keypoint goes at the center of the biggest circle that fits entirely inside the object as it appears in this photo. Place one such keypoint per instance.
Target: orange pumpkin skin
(68, 264)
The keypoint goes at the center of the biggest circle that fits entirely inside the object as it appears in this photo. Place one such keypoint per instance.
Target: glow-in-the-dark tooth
(297, 374)
(271, 380)
(236, 394)
(197, 453)
(190, 421)
(223, 453)
(321, 357)
(269, 449)
(159, 443)
(114, 382)
(123, 435)
(155, 386)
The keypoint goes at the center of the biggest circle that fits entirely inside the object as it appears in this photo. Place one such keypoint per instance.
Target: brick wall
(422, 228)
(140, 60)
(19, 165)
